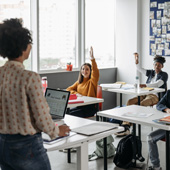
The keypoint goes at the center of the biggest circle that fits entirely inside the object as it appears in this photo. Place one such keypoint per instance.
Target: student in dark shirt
(155, 78)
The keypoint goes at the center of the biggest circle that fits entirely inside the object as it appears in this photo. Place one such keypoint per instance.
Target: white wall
(126, 41)
(132, 34)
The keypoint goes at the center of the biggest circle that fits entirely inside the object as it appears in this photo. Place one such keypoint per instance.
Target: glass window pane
(99, 31)
(57, 34)
(16, 9)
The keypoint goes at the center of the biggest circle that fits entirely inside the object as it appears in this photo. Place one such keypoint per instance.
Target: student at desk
(24, 112)
(86, 85)
(156, 78)
(164, 106)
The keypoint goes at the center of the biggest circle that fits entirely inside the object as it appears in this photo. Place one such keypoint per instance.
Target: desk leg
(138, 100)
(134, 129)
(120, 99)
(139, 131)
(167, 150)
(69, 156)
(105, 153)
(139, 126)
(82, 157)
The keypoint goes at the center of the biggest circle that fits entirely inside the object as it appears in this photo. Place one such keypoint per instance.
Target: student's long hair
(81, 77)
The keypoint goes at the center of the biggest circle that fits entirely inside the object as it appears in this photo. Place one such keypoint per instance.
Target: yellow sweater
(89, 86)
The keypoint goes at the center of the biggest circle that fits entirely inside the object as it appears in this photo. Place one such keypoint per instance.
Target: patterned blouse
(23, 108)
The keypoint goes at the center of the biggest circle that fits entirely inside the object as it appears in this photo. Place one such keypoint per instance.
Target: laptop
(57, 101)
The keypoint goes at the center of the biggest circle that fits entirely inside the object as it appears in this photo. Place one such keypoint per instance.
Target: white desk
(87, 101)
(118, 114)
(133, 92)
(79, 141)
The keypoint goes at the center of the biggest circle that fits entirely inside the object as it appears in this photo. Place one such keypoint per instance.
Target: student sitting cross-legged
(86, 85)
(164, 106)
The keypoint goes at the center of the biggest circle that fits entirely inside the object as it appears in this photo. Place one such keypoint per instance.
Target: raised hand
(136, 58)
(91, 53)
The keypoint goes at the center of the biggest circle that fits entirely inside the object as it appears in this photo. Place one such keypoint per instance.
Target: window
(99, 31)
(64, 30)
(16, 9)
(57, 35)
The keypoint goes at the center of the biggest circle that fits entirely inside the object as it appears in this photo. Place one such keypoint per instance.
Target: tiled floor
(59, 159)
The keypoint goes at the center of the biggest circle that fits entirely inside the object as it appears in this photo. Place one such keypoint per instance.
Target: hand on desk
(64, 130)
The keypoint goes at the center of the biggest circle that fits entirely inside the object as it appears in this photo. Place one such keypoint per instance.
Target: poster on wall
(159, 27)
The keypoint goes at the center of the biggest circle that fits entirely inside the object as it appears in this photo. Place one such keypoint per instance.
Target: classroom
(116, 29)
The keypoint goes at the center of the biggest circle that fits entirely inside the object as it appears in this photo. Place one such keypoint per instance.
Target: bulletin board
(160, 27)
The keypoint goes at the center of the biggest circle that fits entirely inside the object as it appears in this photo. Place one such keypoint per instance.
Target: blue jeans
(153, 137)
(18, 152)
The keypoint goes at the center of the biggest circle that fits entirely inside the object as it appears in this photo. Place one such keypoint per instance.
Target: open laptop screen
(57, 101)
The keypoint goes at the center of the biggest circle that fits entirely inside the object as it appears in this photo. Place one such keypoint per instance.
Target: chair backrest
(99, 95)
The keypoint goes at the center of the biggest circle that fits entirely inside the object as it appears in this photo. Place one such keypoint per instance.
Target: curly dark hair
(80, 77)
(14, 38)
(159, 59)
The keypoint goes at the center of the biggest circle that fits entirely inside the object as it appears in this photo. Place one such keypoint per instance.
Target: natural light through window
(16, 9)
(57, 34)
(99, 31)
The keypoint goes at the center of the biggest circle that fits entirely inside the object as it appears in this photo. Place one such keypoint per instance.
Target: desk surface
(87, 100)
(133, 92)
(118, 113)
(77, 140)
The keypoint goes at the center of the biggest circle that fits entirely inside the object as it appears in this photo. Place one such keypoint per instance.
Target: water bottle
(137, 85)
(44, 83)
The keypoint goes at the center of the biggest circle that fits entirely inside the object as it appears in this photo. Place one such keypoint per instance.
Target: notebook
(57, 101)
(95, 128)
(48, 140)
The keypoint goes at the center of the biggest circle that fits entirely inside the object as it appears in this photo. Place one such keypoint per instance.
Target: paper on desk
(133, 114)
(128, 86)
(47, 139)
(94, 128)
(111, 86)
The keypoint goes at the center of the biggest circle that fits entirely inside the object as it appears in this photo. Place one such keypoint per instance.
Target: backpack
(128, 151)
(99, 152)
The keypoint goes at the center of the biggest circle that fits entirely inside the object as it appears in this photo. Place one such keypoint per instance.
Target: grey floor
(59, 159)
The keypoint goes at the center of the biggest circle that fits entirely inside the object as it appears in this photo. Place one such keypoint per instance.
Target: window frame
(80, 37)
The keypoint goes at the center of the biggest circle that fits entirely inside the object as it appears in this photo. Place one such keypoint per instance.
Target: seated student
(156, 78)
(86, 85)
(164, 106)
(24, 112)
